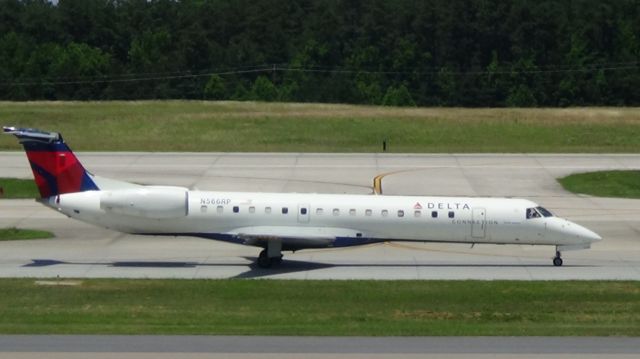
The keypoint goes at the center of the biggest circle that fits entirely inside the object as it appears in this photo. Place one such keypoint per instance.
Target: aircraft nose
(584, 233)
(593, 236)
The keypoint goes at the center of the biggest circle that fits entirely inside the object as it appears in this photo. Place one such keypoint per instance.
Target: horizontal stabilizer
(32, 134)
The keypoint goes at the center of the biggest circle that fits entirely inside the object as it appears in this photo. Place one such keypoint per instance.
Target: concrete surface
(82, 250)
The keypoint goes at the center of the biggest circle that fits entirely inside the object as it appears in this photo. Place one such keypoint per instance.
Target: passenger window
(285, 210)
(319, 211)
(336, 212)
(203, 209)
(368, 213)
(451, 214)
(236, 209)
(384, 213)
(400, 213)
(417, 213)
(220, 209)
(434, 214)
(352, 212)
(252, 209)
(303, 211)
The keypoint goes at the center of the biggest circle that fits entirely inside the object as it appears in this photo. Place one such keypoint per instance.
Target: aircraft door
(478, 222)
(303, 213)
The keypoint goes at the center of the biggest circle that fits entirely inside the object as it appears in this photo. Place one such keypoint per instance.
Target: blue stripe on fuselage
(354, 241)
(338, 242)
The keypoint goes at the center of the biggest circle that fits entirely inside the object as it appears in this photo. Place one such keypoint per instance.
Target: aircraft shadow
(254, 270)
(131, 264)
(286, 267)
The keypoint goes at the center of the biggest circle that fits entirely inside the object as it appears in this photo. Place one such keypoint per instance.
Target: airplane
(279, 222)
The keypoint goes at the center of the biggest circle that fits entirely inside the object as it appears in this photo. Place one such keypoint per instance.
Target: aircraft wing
(294, 238)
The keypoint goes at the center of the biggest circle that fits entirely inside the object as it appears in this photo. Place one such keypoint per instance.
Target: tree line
(390, 52)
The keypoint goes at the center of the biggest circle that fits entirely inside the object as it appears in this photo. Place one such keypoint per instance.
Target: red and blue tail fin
(55, 168)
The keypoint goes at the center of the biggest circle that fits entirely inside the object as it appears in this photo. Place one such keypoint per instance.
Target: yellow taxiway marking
(377, 180)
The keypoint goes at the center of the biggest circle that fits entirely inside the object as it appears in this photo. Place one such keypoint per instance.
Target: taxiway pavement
(143, 346)
(83, 251)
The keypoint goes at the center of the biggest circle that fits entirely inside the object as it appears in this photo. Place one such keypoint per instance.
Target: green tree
(306, 86)
(448, 88)
(521, 96)
(367, 83)
(240, 92)
(397, 96)
(83, 63)
(16, 50)
(445, 52)
(522, 83)
(264, 90)
(215, 88)
(368, 88)
(150, 60)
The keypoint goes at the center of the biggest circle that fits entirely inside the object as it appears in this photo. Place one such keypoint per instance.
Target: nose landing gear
(557, 260)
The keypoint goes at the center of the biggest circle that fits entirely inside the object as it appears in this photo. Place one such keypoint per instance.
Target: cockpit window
(532, 213)
(544, 212)
(538, 212)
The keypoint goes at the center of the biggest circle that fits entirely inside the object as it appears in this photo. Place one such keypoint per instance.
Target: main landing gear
(272, 255)
(557, 260)
(265, 262)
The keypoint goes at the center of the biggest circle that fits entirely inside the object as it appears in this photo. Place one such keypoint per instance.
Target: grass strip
(624, 184)
(203, 126)
(273, 307)
(13, 188)
(12, 234)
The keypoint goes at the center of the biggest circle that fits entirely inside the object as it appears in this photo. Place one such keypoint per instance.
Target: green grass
(12, 234)
(321, 307)
(625, 184)
(274, 127)
(18, 188)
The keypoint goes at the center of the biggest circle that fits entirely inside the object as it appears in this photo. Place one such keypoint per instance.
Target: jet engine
(156, 203)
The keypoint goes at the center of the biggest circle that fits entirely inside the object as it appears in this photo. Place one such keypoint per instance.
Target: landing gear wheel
(263, 260)
(557, 261)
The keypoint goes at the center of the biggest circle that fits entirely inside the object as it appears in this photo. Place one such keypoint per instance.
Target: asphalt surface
(324, 346)
(81, 250)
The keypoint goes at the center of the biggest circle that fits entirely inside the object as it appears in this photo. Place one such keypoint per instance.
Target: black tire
(557, 261)
(263, 260)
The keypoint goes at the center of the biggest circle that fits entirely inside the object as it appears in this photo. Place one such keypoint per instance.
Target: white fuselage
(320, 220)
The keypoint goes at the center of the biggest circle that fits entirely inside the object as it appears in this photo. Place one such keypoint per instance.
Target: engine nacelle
(150, 202)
